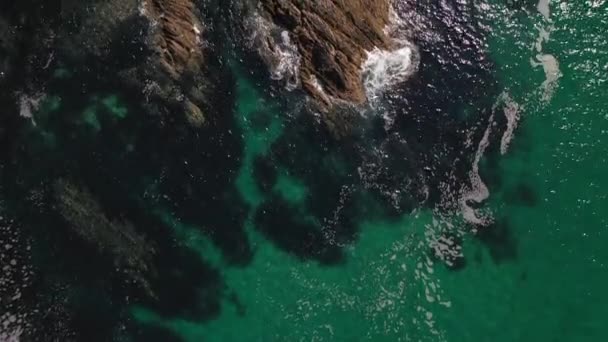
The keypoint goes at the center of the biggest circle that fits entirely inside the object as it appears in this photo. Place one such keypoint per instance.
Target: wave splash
(384, 69)
(276, 49)
(288, 62)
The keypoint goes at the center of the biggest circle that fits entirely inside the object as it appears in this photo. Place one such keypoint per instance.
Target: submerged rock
(114, 238)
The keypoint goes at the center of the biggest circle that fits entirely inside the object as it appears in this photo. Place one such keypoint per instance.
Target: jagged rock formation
(177, 37)
(332, 37)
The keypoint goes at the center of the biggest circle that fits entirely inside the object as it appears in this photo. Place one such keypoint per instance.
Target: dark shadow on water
(265, 172)
(522, 194)
(153, 333)
(261, 120)
(293, 232)
(199, 170)
(326, 170)
(130, 165)
(500, 241)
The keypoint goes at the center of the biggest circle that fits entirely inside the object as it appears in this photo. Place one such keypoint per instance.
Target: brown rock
(177, 39)
(332, 37)
(194, 115)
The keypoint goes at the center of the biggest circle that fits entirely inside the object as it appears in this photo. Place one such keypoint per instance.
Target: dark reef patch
(153, 333)
(296, 232)
(522, 194)
(500, 240)
(265, 172)
(327, 169)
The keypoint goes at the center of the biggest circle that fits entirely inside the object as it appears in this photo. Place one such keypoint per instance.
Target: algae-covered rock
(194, 115)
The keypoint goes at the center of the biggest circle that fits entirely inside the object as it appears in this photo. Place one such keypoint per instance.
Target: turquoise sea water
(537, 272)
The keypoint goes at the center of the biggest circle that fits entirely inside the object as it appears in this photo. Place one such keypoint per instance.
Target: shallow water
(468, 206)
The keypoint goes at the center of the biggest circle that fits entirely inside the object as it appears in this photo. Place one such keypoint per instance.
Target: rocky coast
(333, 39)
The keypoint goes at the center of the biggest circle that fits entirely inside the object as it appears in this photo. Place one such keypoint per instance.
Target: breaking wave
(277, 50)
(288, 62)
(383, 69)
(386, 68)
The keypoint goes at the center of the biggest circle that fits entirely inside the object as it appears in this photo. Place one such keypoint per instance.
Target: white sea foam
(547, 61)
(543, 8)
(276, 47)
(11, 335)
(386, 68)
(29, 104)
(141, 8)
(288, 62)
(478, 190)
(512, 112)
(198, 34)
(552, 74)
(315, 83)
(383, 69)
